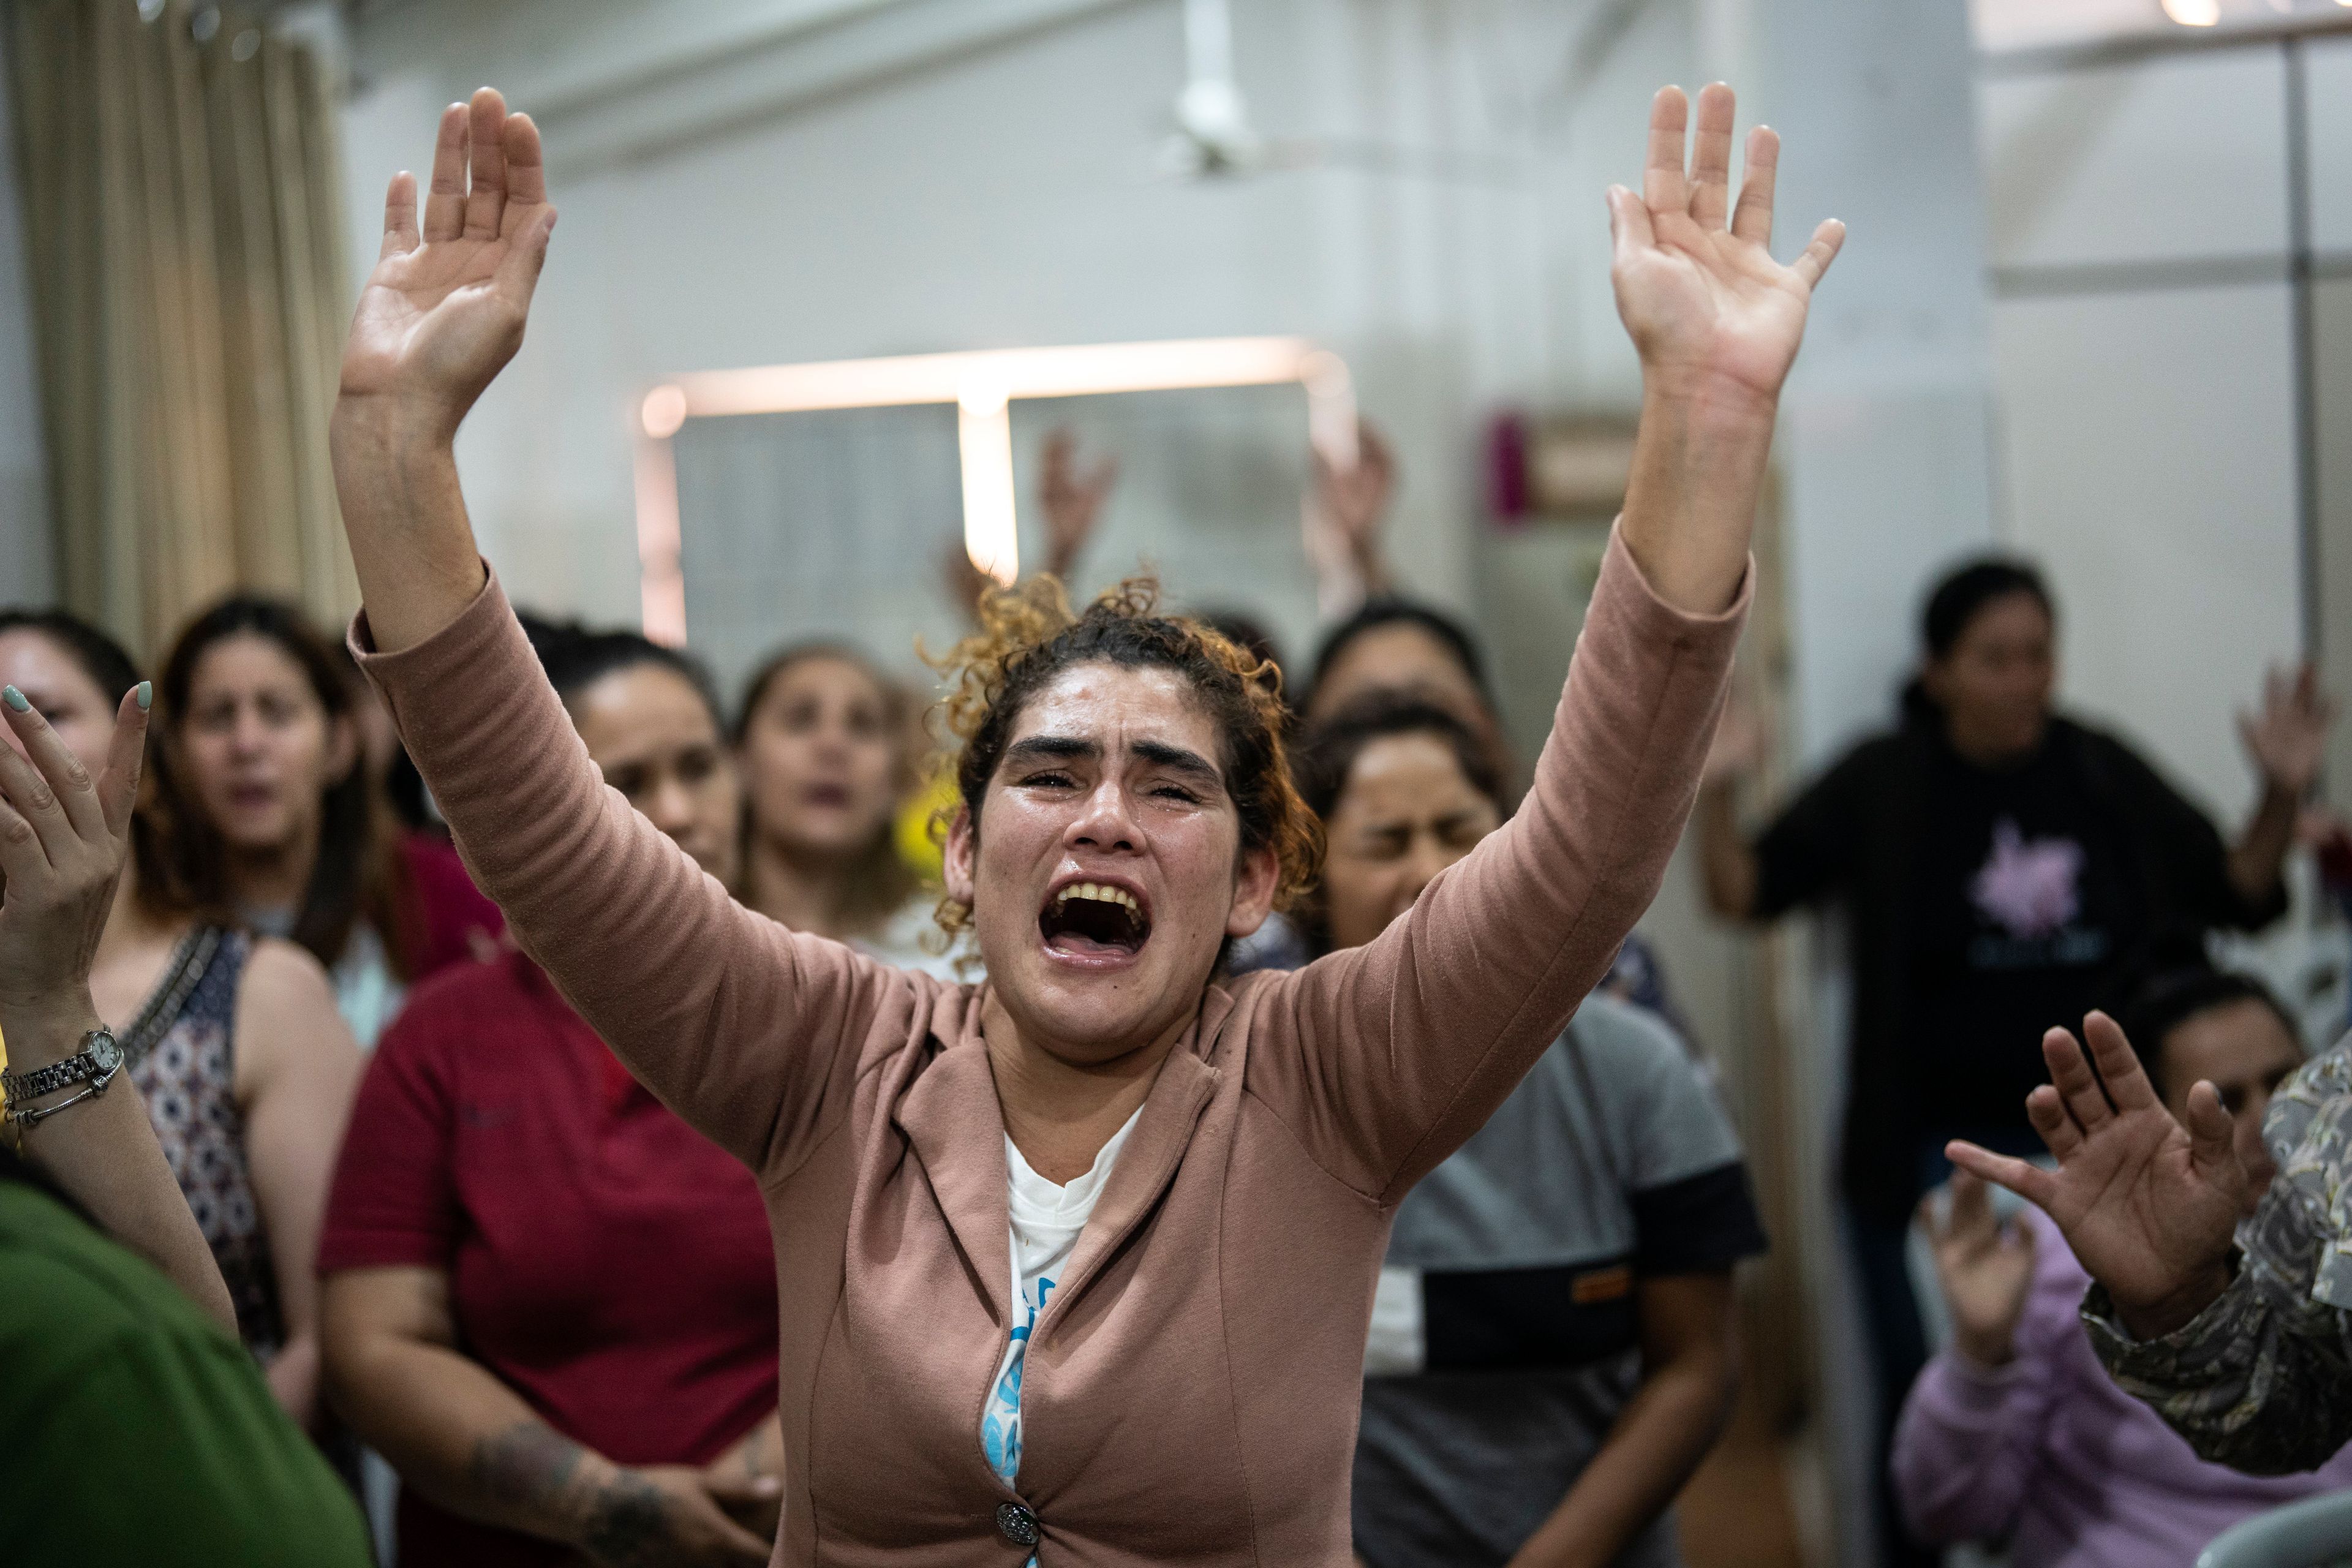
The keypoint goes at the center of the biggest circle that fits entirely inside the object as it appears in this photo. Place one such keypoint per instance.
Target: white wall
(1005, 195)
(27, 554)
(2144, 388)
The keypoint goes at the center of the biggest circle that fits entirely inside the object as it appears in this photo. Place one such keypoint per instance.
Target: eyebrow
(1158, 753)
(1178, 760)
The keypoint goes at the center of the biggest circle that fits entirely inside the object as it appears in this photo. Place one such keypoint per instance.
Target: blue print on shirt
(1000, 1426)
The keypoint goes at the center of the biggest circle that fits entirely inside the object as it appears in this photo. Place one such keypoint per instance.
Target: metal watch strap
(82, 1067)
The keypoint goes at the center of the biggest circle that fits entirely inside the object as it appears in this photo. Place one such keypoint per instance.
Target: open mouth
(1094, 921)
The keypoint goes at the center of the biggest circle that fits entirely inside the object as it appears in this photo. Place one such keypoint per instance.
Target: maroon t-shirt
(605, 1260)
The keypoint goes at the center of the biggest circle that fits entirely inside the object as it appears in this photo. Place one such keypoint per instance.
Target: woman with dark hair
(2000, 864)
(272, 818)
(1076, 1263)
(232, 1040)
(1402, 646)
(1553, 1348)
(822, 742)
(2015, 1433)
(480, 1334)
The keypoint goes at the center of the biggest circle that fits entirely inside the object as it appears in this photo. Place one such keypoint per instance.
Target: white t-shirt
(1046, 1220)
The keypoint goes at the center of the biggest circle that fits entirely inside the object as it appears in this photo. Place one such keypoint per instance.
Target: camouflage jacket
(2262, 1379)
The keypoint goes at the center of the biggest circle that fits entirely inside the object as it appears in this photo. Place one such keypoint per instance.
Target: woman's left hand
(1709, 310)
(63, 840)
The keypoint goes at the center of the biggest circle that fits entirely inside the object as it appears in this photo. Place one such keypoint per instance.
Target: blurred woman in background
(1552, 1349)
(2015, 1433)
(1999, 864)
(823, 743)
(550, 1303)
(232, 1040)
(275, 819)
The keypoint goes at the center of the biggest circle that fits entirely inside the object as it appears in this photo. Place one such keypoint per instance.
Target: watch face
(104, 1054)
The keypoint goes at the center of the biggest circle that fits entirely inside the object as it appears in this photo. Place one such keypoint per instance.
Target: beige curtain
(184, 234)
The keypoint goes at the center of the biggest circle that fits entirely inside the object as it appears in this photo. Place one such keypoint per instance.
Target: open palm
(1986, 1269)
(2287, 739)
(2149, 1206)
(1697, 285)
(444, 310)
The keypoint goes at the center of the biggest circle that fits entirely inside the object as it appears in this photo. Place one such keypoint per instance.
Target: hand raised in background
(2287, 739)
(1986, 1269)
(1355, 502)
(2149, 1206)
(1710, 311)
(1072, 501)
(444, 310)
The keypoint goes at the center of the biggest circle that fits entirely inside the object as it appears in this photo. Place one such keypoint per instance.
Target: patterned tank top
(182, 1053)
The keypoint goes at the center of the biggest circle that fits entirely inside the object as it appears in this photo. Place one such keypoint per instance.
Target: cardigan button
(1017, 1524)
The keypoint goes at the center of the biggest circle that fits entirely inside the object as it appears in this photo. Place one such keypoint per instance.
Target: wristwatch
(95, 1064)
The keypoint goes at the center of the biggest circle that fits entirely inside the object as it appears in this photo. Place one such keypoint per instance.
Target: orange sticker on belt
(1601, 1284)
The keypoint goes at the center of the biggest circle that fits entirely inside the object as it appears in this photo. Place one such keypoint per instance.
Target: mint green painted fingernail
(15, 698)
(145, 692)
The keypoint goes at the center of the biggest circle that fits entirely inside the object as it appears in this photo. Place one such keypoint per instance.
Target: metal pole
(2303, 351)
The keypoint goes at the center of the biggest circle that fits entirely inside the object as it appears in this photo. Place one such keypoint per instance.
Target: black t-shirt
(2022, 915)
(1902, 835)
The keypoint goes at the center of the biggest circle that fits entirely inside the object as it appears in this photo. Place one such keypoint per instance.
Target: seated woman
(233, 1040)
(822, 744)
(1077, 1262)
(1551, 1351)
(550, 1303)
(2015, 1433)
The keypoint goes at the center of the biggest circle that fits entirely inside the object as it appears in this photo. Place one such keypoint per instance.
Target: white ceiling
(2005, 24)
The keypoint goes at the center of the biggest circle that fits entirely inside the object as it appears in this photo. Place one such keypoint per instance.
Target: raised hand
(1355, 501)
(1986, 1269)
(2148, 1206)
(2287, 740)
(444, 310)
(64, 837)
(1072, 501)
(1709, 310)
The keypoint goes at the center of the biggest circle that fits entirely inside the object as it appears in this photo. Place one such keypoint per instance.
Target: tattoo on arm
(629, 1525)
(529, 1463)
(624, 1522)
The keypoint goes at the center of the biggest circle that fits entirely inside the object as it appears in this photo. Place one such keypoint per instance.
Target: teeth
(1100, 894)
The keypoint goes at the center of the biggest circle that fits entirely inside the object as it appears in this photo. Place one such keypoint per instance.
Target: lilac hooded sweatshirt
(2048, 1454)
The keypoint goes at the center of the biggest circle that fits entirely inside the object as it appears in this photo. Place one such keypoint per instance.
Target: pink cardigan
(1191, 1394)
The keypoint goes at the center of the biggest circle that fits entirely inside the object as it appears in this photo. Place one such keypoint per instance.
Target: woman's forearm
(466, 1441)
(1689, 1376)
(2259, 856)
(1699, 458)
(103, 1154)
(412, 542)
(1659, 1438)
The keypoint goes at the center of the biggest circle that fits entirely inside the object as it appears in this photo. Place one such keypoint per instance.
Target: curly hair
(1028, 635)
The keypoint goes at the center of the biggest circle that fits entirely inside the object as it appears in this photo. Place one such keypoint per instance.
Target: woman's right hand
(1986, 1269)
(666, 1516)
(444, 310)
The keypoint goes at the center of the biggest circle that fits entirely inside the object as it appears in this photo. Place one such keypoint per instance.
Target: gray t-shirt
(1505, 1339)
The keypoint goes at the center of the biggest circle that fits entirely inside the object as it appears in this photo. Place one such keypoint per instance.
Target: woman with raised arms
(1076, 1263)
